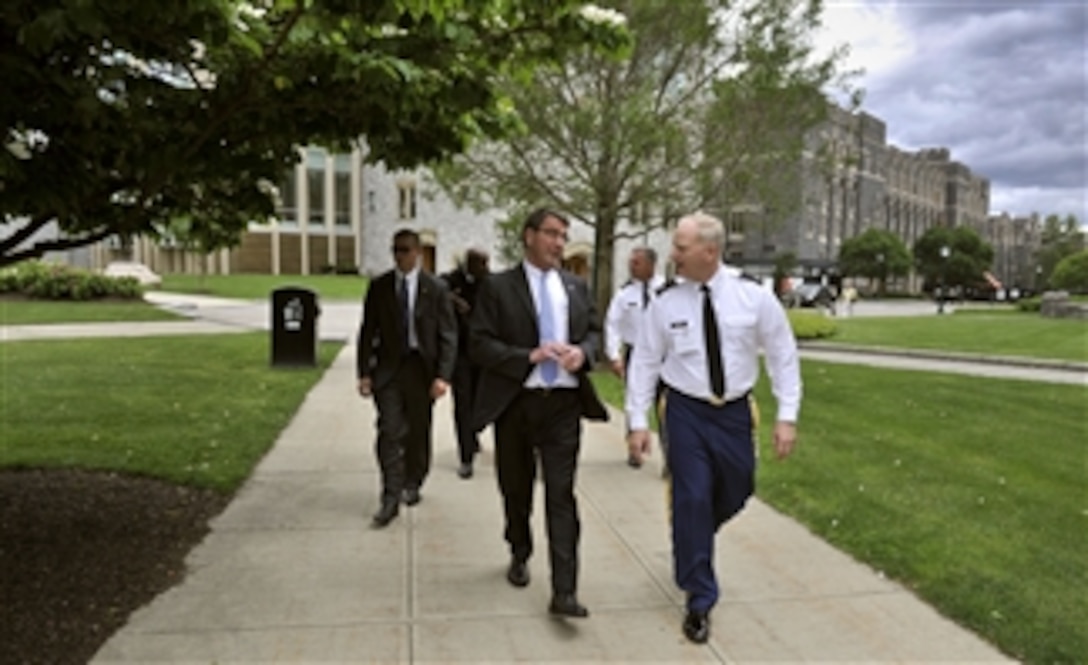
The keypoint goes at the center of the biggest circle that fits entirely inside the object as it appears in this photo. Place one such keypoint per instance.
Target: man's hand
(439, 388)
(638, 444)
(785, 438)
(460, 304)
(617, 367)
(364, 386)
(571, 357)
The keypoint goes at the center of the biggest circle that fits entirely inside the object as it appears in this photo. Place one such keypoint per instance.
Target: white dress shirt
(625, 315)
(671, 347)
(560, 315)
(412, 278)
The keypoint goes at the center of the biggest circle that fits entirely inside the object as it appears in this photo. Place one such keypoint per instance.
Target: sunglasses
(402, 249)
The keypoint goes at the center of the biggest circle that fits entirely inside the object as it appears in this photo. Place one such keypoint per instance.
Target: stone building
(1015, 241)
(853, 180)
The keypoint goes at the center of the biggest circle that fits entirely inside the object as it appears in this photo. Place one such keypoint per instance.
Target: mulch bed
(80, 551)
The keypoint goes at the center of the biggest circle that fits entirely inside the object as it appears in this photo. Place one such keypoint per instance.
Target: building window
(315, 180)
(371, 201)
(288, 200)
(406, 196)
(342, 191)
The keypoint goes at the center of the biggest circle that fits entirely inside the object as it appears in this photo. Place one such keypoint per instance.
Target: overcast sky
(1002, 83)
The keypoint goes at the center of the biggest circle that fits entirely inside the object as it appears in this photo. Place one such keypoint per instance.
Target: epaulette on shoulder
(751, 278)
(627, 283)
(669, 283)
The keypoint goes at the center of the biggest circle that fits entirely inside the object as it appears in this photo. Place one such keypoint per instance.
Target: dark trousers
(403, 447)
(712, 458)
(465, 377)
(548, 425)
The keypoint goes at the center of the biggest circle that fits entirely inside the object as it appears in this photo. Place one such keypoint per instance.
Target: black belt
(548, 392)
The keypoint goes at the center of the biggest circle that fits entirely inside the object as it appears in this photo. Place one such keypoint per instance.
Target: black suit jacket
(380, 351)
(503, 331)
(458, 283)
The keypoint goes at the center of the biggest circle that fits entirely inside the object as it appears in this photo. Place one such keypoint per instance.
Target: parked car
(809, 295)
(142, 273)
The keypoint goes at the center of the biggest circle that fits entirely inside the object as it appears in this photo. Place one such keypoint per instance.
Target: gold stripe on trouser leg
(753, 407)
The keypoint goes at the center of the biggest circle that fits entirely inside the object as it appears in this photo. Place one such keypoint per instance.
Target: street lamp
(1038, 278)
(945, 251)
(881, 276)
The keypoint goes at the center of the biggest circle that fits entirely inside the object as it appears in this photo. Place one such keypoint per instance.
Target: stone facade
(854, 180)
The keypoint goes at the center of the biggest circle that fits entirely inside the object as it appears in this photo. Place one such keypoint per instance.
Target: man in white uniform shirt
(702, 338)
(626, 312)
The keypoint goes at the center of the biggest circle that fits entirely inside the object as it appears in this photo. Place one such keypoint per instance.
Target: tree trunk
(602, 261)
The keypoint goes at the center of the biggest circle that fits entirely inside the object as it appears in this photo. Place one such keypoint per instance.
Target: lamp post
(881, 278)
(1038, 278)
(945, 251)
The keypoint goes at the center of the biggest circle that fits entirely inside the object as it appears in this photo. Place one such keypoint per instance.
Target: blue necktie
(549, 369)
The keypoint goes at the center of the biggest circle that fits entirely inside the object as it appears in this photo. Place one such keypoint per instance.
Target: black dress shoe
(411, 496)
(386, 514)
(634, 462)
(518, 573)
(465, 471)
(565, 604)
(697, 626)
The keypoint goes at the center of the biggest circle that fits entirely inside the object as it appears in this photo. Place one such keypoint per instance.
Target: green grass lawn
(256, 287)
(999, 333)
(32, 312)
(193, 410)
(972, 492)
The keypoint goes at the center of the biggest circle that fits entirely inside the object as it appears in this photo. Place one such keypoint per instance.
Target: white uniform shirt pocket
(682, 338)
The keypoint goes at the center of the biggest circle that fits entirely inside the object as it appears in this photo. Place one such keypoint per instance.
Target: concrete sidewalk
(292, 571)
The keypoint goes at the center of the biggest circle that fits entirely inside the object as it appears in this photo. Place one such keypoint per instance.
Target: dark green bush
(1029, 304)
(51, 281)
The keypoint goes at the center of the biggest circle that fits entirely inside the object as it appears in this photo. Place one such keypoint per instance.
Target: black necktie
(402, 298)
(645, 294)
(713, 345)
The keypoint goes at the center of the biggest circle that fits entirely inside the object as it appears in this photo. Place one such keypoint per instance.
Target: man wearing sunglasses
(407, 347)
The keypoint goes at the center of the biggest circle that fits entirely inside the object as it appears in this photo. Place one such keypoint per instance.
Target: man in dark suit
(464, 283)
(534, 334)
(407, 346)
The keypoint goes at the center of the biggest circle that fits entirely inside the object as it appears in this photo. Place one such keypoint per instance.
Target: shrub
(810, 325)
(1071, 273)
(1029, 304)
(51, 281)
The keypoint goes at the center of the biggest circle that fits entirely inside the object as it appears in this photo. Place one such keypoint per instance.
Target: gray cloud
(1003, 84)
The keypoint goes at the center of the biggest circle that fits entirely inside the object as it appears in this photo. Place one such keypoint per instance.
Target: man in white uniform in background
(626, 313)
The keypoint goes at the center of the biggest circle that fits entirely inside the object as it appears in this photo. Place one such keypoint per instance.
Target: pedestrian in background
(463, 283)
(703, 337)
(407, 347)
(626, 312)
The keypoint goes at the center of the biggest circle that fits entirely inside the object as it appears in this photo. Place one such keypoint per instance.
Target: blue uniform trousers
(712, 458)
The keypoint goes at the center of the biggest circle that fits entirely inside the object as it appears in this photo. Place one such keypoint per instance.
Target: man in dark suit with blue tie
(534, 335)
(407, 347)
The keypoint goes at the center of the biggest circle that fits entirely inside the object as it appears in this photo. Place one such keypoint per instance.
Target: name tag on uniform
(682, 340)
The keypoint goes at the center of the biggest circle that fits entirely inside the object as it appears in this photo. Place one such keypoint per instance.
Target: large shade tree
(122, 116)
(709, 111)
(876, 254)
(968, 257)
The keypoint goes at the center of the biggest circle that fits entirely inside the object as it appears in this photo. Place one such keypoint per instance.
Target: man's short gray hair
(708, 228)
(649, 252)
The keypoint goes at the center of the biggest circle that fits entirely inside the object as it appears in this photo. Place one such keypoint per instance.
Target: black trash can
(294, 327)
